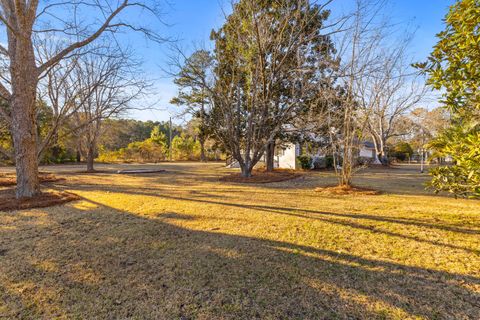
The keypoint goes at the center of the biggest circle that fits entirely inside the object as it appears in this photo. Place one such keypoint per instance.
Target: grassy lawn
(182, 245)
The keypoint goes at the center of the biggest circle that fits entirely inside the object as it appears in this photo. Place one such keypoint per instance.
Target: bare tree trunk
(90, 157)
(377, 151)
(203, 157)
(79, 156)
(246, 170)
(270, 156)
(24, 129)
(383, 152)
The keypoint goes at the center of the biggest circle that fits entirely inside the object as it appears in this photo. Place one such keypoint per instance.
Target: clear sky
(191, 21)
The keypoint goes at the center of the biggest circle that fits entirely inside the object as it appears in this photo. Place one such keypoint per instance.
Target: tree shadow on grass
(202, 196)
(329, 217)
(107, 263)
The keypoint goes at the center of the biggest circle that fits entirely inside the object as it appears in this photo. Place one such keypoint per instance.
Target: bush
(184, 148)
(58, 154)
(329, 162)
(402, 151)
(305, 161)
(319, 162)
(144, 151)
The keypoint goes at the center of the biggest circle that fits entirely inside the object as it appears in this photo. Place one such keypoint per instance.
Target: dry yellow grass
(182, 245)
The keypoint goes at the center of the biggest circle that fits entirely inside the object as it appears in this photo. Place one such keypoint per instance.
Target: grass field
(182, 245)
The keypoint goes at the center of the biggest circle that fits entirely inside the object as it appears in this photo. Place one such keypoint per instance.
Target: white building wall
(287, 157)
(366, 152)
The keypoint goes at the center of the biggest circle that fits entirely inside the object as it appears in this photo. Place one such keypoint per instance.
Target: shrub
(183, 147)
(329, 162)
(402, 151)
(305, 161)
(319, 162)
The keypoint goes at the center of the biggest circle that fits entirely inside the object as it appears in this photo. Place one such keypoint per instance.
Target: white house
(286, 155)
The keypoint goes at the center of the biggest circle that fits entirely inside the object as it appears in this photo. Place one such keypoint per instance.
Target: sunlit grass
(182, 244)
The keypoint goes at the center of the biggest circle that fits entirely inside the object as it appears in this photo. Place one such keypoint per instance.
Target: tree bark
(246, 170)
(90, 158)
(24, 130)
(203, 157)
(270, 156)
(384, 157)
(376, 160)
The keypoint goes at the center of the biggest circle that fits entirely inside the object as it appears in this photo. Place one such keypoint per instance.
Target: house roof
(369, 144)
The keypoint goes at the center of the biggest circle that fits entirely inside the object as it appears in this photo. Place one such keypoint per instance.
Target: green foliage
(118, 133)
(58, 154)
(268, 54)
(158, 137)
(329, 163)
(454, 66)
(185, 148)
(462, 143)
(305, 161)
(154, 149)
(402, 151)
(141, 151)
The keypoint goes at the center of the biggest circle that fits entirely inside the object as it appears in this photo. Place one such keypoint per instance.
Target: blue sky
(191, 21)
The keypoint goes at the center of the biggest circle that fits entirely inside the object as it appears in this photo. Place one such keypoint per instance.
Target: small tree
(110, 81)
(192, 83)
(402, 151)
(183, 147)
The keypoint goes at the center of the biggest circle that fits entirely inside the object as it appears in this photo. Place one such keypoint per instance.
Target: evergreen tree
(454, 67)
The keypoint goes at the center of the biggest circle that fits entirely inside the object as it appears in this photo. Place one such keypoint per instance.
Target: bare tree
(21, 20)
(108, 83)
(379, 84)
(389, 92)
(357, 60)
(59, 89)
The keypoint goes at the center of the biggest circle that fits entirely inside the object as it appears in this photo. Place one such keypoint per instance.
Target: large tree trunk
(246, 171)
(376, 160)
(90, 158)
(270, 156)
(246, 167)
(24, 132)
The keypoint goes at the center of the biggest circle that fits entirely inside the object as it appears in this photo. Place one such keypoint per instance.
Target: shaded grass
(262, 176)
(183, 245)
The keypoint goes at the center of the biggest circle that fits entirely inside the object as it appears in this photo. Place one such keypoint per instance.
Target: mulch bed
(9, 179)
(8, 202)
(343, 190)
(261, 176)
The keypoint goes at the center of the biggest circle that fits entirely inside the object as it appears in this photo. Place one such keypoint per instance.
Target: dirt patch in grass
(9, 179)
(262, 176)
(344, 190)
(8, 202)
